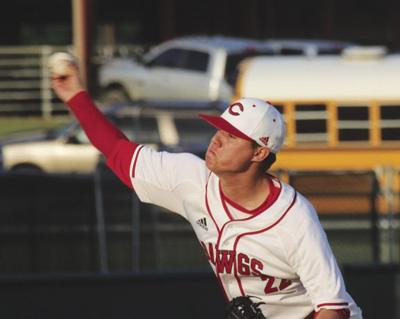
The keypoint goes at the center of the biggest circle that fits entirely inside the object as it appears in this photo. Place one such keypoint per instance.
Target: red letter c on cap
(232, 111)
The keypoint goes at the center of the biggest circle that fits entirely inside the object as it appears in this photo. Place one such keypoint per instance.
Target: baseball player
(262, 238)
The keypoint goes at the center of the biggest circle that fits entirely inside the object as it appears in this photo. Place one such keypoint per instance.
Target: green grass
(15, 125)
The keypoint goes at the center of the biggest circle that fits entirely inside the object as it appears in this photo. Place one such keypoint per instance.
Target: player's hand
(69, 85)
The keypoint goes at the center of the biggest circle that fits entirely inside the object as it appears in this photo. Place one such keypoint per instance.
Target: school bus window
(390, 112)
(353, 135)
(353, 123)
(311, 123)
(390, 134)
(390, 122)
(311, 107)
(353, 113)
(279, 107)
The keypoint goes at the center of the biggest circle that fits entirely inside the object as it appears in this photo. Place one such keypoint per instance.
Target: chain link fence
(95, 223)
(25, 87)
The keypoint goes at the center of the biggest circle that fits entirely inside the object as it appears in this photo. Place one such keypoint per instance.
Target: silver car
(68, 150)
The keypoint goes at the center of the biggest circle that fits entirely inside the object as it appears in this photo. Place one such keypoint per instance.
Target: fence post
(392, 222)
(375, 237)
(45, 86)
(389, 223)
(101, 229)
(135, 233)
(156, 237)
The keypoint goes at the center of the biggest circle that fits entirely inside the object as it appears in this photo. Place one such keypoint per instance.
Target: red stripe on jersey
(135, 161)
(269, 200)
(224, 200)
(259, 232)
(208, 207)
(219, 235)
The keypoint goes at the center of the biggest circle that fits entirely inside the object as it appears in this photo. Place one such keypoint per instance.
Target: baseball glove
(244, 308)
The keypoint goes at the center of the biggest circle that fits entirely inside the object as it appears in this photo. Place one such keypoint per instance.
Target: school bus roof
(320, 78)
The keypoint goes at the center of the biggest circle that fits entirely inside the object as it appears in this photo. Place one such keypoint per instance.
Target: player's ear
(260, 154)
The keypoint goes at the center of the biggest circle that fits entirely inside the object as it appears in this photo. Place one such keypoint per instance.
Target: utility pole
(82, 22)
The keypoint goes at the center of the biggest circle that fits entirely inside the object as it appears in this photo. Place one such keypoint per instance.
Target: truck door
(192, 78)
(159, 83)
(178, 74)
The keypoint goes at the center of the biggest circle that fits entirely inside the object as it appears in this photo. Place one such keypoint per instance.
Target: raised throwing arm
(101, 132)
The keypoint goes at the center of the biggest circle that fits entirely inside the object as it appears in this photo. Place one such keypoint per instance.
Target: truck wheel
(114, 96)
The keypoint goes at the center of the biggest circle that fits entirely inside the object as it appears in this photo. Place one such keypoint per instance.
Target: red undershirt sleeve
(120, 161)
(107, 138)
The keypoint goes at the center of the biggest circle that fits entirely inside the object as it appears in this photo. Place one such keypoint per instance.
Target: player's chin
(210, 161)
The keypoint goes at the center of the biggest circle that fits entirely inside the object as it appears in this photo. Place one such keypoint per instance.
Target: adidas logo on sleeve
(202, 222)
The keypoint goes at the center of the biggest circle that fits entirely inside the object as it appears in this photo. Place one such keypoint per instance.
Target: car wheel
(115, 95)
(27, 169)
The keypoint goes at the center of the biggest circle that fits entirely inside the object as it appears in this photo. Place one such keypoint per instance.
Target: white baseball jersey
(279, 254)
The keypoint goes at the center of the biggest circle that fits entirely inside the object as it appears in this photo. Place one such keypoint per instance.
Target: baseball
(59, 63)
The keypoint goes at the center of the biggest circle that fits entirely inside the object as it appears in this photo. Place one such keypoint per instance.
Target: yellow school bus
(342, 112)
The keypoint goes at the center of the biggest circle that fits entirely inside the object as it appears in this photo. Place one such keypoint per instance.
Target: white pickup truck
(196, 68)
(183, 69)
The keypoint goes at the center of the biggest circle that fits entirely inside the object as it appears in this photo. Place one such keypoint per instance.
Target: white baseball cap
(253, 120)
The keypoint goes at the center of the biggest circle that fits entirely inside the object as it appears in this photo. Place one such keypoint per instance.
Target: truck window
(291, 51)
(168, 59)
(196, 61)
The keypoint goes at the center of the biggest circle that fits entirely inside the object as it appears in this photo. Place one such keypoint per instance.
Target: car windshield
(143, 130)
(194, 131)
(61, 131)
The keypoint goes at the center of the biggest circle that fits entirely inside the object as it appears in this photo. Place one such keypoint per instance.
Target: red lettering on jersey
(233, 112)
(243, 264)
(256, 267)
(211, 253)
(284, 284)
(269, 289)
(225, 260)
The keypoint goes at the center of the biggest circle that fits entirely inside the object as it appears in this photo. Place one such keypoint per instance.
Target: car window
(168, 59)
(81, 137)
(196, 61)
(194, 131)
(142, 130)
(330, 51)
(291, 51)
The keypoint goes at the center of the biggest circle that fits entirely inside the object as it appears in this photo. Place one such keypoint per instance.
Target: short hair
(269, 161)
